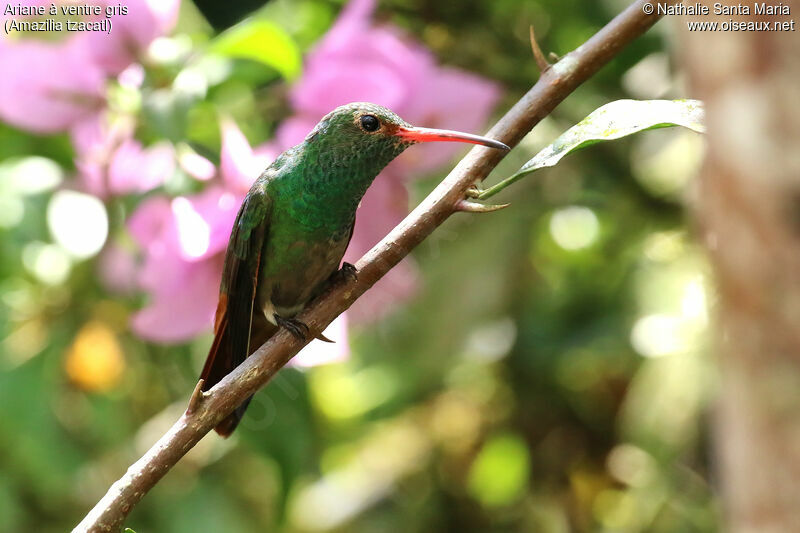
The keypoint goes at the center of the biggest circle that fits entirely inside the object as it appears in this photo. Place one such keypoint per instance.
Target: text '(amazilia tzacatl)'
(294, 225)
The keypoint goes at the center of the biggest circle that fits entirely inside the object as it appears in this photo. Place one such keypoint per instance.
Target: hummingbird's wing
(233, 321)
(242, 266)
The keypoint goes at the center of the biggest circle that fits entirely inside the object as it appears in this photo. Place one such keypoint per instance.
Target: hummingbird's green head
(350, 146)
(367, 136)
(359, 131)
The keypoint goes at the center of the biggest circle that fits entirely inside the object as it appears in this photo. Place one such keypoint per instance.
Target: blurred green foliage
(551, 375)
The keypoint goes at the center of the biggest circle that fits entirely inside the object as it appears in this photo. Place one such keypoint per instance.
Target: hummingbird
(293, 228)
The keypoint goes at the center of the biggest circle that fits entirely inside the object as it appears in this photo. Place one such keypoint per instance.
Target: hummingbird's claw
(298, 329)
(348, 272)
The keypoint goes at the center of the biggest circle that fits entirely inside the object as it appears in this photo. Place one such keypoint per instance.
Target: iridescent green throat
(329, 176)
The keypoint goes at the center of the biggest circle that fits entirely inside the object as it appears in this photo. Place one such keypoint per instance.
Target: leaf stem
(483, 194)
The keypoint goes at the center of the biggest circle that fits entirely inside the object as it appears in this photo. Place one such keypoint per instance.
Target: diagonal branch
(555, 84)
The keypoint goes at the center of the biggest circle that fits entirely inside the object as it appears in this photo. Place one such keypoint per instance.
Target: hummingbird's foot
(347, 273)
(295, 327)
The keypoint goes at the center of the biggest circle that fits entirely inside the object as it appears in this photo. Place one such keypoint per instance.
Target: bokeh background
(544, 368)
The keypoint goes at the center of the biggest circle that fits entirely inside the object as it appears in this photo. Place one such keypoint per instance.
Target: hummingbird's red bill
(422, 135)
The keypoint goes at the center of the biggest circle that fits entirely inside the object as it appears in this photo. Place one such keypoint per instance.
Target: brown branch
(555, 84)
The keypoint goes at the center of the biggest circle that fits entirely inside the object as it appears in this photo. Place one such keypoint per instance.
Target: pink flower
(47, 87)
(240, 164)
(110, 162)
(183, 242)
(131, 32)
(196, 165)
(137, 169)
(356, 61)
(383, 207)
(118, 269)
(180, 270)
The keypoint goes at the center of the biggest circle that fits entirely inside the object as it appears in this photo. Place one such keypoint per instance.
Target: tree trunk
(748, 214)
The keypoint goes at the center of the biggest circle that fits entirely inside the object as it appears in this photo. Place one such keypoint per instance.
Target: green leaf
(262, 41)
(612, 121)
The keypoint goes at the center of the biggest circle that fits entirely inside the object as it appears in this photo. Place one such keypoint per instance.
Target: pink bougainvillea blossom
(240, 164)
(131, 169)
(183, 242)
(47, 87)
(196, 165)
(132, 32)
(178, 269)
(118, 269)
(134, 168)
(111, 162)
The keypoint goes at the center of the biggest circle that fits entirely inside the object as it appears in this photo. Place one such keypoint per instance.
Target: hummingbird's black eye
(370, 123)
